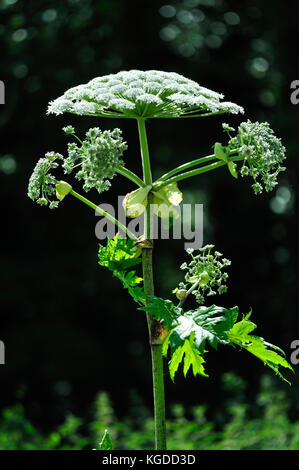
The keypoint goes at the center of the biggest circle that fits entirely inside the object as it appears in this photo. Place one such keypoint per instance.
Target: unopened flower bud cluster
(41, 187)
(262, 152)
(96, 158)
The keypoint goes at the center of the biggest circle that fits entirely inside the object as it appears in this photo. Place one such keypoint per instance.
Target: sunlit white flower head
(147, 94)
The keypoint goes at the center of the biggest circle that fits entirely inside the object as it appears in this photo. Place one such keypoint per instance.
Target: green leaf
(163, 310)
(131, 279)
(188, 339)
(118, 254)
(106, 443)
(190, 356)
(220, 151)
(207, 323)
(240, 334)
(232, 168)
(130, 282)
(217, 325)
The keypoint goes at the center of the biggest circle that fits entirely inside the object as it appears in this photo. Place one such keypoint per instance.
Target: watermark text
(184, 222)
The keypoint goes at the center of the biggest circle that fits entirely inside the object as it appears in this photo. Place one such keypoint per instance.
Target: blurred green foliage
(54, 318)
(265, 425)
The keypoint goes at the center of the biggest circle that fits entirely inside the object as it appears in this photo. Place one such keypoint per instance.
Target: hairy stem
(154, 326)
(103, 213)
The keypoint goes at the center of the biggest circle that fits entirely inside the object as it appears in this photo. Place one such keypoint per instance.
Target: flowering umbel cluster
(204, 274)
(142, 94)
(42, 184)
(262, 152)
(96, 158)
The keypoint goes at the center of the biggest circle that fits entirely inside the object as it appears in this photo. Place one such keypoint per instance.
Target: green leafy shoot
(106, 443)
(130, 282)
(214, 325)
(119, 255)
(240, 334)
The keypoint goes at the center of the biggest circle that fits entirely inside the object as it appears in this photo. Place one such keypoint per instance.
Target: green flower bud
(165, 200)
(204, 279)
(180, 293)
(135, 202)
(62, 190)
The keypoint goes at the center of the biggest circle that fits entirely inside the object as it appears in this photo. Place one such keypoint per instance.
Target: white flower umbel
(142, 94)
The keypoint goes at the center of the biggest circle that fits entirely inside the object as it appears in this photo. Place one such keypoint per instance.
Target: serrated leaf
(165, 344)
(190, 356)
(138, 294)
(207, 323)
(188, 339)
(266, 352)
(118, 254)
(130, 282)
(162, 310)
(106, 443)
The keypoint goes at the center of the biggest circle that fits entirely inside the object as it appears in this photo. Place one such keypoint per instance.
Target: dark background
(69, 329)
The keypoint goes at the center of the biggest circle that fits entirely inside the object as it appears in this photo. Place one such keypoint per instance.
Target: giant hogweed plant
(179, 333)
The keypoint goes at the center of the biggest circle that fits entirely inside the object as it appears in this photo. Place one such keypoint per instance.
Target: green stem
(103, 213)
(154, 327)
(131, 176)
(182, 301)
(185, 166)
(187, 174)
(146, 164)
